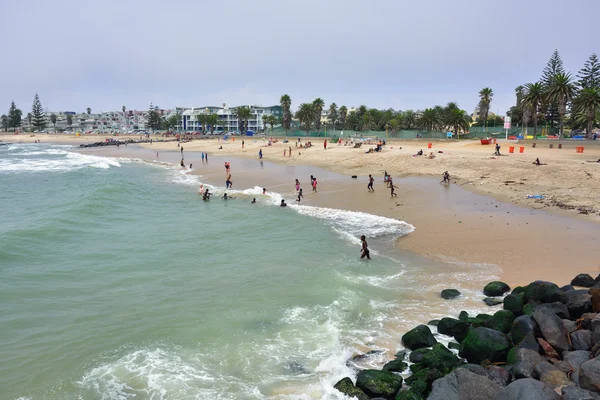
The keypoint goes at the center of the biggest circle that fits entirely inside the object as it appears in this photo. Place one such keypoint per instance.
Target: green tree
(29, 117)
(122, 108)
(53, 120)
(533, 98)
(265, 121)
(89, 110)
(14, 116)
(306, 114)
(170, 123)
(589, 75)
(409, 118)
(458, 120)
(153, 119)
(212, 120)
(561, 90)
(485, 99)
(394, 125)
(549, 106)
(272, 120)
(286, 104)
(343, 115)
(430, 119)
(243, 115)
(588, 103)
(318, 104)
(332, 114)
(69, 120)
(37, 113)
(4, 120)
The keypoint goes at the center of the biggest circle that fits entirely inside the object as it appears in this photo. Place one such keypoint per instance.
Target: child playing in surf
(365, 248)
(300, 196)
(370, 185)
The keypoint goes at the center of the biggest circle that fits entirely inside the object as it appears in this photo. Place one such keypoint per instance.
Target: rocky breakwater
(543, 345)
(112, 142)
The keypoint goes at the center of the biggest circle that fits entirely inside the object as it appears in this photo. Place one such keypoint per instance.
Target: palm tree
(53, 120)
(561, 90)
(366, 122)
(333, 114)
(394, 125)
(409, 119)
(89, 110)
(429, 120)
(587, 103)
(485, 98)
(458, 119)
(69, 120)
(212, 120)
(265, 121)
(244, 114)
(343, 115)
(519, 92)
(286, 103)
(306, 115)
(318, 104)
(202, 119)
(272, 120)
(533, 98)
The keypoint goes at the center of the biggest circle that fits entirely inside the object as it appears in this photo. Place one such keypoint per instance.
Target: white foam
(69, 161)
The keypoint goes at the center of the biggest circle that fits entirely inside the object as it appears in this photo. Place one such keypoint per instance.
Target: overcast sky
(381, 53)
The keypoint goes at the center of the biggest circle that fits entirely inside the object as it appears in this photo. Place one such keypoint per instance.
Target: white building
(228, 118)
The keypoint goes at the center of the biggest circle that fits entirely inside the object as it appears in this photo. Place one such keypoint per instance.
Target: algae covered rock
(514, 302)
(347, 387)
(450, 294)
(502, 321)
(544, 292)
(495, 288)
(418, 337)
(396, 365)
(485, 344)
(376, 383)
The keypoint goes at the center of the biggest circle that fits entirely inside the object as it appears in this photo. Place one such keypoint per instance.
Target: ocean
(118, 282)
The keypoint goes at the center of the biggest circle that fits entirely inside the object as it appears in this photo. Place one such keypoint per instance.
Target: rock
(490, 301)
(463, 315)
(529, 342)
(418, 337)
(576, 393)
(454, 346)
(521, 326)
(417, 355)
(463, 384)
(529, 389)
(587, 321)
(556, 378)
(498, 375)
(480, 320)
(563, 366)
(514, 302)
(589, 375)
(450, 294)
(557, 308)
(396, 365)
(401, 354)
(434, 322)
(552, 328)
(544, 292)
(495, 288)
(378, 383)
(530, 307)
(445, 326)
(502, 321)
(347, 387)
(525, 362)
(485, 344)
(570, 326)
(596, 336)
(581, 340)
(548, 349)
(595, 293)
(579, 302)
(422, 380)
(567, 288)
(583, 280)
(408, 395)
(475, 368)
(576, 358)
(440, 358)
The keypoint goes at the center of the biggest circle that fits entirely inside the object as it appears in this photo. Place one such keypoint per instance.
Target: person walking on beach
(325, 144)
(498, 149)
(206, 156)
(290, 152)
(190, 166)
(242, 143)
(300, 196)
(157, 154)
(370, 185)
(314, 185)
(392, 193)
(181, 149)
(365, 248)
(260, 154)
(202, 156)
(284, 152)
(446, 178)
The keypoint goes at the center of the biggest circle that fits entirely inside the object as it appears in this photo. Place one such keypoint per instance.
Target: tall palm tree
(485, 98)
(318, 104)
(561, 90)
(243, 115)
(332, 115)
(366, 122)
(53, 120)
(429, 120)
(587, 103)
(89, 110)
(394, 125)
(202, 119)
(265, 121)
(409, 119)
(519, 92)
(343, 115)
(306, 115)
(459, 120)
(286, 103)
(533, 98)
(212, 120)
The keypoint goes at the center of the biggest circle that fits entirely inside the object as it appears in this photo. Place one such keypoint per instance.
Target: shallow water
(118, 282)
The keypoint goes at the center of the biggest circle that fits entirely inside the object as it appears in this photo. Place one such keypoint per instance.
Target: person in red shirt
(325, 145)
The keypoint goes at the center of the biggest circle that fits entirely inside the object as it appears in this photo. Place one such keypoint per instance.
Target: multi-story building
(228, 121)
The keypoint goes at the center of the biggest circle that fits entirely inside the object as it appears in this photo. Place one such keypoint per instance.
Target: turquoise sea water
(118, 282)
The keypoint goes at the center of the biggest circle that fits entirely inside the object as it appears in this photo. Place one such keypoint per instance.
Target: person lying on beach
(283, 203)
(253, 201)
(419, 153)
(431, 155)
(364, 248)
(446, 178)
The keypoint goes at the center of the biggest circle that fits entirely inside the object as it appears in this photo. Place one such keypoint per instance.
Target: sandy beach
(458, 223)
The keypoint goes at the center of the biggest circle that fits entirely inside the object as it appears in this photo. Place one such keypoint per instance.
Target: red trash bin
(428, 145)
(521, 149)
(511, 149)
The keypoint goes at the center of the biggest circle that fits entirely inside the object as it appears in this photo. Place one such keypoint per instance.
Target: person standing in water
(370, 185)
(260, 154)
(297, 185)
(365, 248)
(300, 196)
(202, 156)
(314, 185)
(228, 182)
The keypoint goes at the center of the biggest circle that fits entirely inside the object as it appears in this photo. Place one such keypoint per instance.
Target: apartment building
(228, 117)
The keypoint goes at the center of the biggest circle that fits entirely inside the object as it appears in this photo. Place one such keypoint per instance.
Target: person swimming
(365, 248)
(282, 203)
(253, 201)
(225, 197)
(206, 195)
(264, 191)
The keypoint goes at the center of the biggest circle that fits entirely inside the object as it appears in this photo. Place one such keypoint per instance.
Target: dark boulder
(446, 325)
(589, 321)
(529, 389)
(347, 387)
(589, 375)
(581, 340)
(480, 320)
(422, 380)
(514, 302)
(417, 355)
(578, 302)
(376, 383)
(521, 326)
(463, 315)
(529, 307)
(595, 293)
(453, 346)
(440, 358)
(485, 344)
(576, 393)
(570, 326)
(434, 322)
(475, 368)
(558, 308)
(495, 288)
(501, 321)
(529, 342)
(544, 292)
(418, 337)
(396, 365)
(525, 362)
(566, 288)
(450, 294)
(463, 384)
(583, 280)
(498, 375)
(408, 395)
(552, 328)
(576, 358)
(491, 301)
